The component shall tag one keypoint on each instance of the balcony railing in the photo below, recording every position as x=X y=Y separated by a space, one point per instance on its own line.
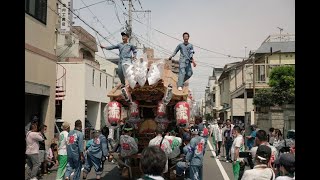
x=262 y=72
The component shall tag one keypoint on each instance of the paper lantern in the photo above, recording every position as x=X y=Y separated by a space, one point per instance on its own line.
x=134 y=109
x=182 y=113
x=114 y=112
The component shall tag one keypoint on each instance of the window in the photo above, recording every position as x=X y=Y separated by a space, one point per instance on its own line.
x=100 y=79
x=37 y=9
x=93 y=77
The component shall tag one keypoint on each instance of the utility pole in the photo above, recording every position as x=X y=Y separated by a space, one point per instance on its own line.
x=130 y=21
x=253 y=76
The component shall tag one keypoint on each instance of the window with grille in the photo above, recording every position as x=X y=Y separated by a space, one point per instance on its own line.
x=37 y=9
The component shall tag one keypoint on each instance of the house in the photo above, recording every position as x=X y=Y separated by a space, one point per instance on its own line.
x=245 y=80
x=40 y=63
x=86 y=84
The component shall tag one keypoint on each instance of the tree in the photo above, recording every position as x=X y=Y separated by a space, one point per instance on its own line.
x=282 y=88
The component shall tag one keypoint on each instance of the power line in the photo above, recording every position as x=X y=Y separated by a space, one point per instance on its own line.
x=140 y=4
x=89 y=38
x=84 y=22
x=167 y=51
x=94 y=16
x=92 y=4
x=182 y=41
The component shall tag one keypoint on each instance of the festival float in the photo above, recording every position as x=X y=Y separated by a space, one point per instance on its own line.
x=150 y=99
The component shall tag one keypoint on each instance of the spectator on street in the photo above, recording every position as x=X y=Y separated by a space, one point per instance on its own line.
x=287 y=167
x=75 y=151
x=271 y=136
x=32 y=151
x=251 y=137
x=219 y=139
x=62 y=151
x=261 y=139
x=237 y=147
x=55 y=139
x=152 y=163
x=213 y=132
x=42 y=151
x=52 y=160
x=227 y=141
x=261 y=170
x=277 y=138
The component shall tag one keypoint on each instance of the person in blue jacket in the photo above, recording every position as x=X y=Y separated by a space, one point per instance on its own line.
x=96 y=154
x=75 y=151
x=195 y=155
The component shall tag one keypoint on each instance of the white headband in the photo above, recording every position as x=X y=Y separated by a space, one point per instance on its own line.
x=261 y=158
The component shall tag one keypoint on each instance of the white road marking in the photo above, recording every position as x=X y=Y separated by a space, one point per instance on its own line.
x=222 y=170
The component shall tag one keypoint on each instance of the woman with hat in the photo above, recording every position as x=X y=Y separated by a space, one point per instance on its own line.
x=261 y=170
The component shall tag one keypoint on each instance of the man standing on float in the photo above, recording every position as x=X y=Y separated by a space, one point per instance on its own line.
x=125 y=56
x=186 y=58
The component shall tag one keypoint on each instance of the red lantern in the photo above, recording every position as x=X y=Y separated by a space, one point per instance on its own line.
x=161 y=109
x=182 y=113
x=114 y=112
x=134 y=109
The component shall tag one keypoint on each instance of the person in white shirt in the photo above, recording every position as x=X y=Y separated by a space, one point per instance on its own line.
x=32 y=151
x=261 y=170
x=163 y=143
x=213 y=133
x=236 y=148
x=62 y=151
x=219 y=139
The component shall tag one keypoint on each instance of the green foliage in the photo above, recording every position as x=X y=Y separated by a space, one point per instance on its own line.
x=262 y=98
x=282 y=88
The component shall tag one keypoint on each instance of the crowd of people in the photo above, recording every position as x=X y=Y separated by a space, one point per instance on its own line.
x=269 y=155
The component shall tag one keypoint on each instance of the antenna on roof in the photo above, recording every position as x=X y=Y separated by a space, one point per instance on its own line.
x=281 y=29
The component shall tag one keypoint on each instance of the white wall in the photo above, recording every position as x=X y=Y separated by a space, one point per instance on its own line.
x=73 y=106
x=62 y=45
x=238 y=107
x=95 y=92
x=109 y=67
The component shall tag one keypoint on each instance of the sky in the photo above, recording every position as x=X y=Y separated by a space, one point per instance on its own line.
x=224 y=27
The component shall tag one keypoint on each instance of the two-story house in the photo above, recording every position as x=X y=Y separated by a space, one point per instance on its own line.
x=40 y=62
x=87 y=84
x=245 y=80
